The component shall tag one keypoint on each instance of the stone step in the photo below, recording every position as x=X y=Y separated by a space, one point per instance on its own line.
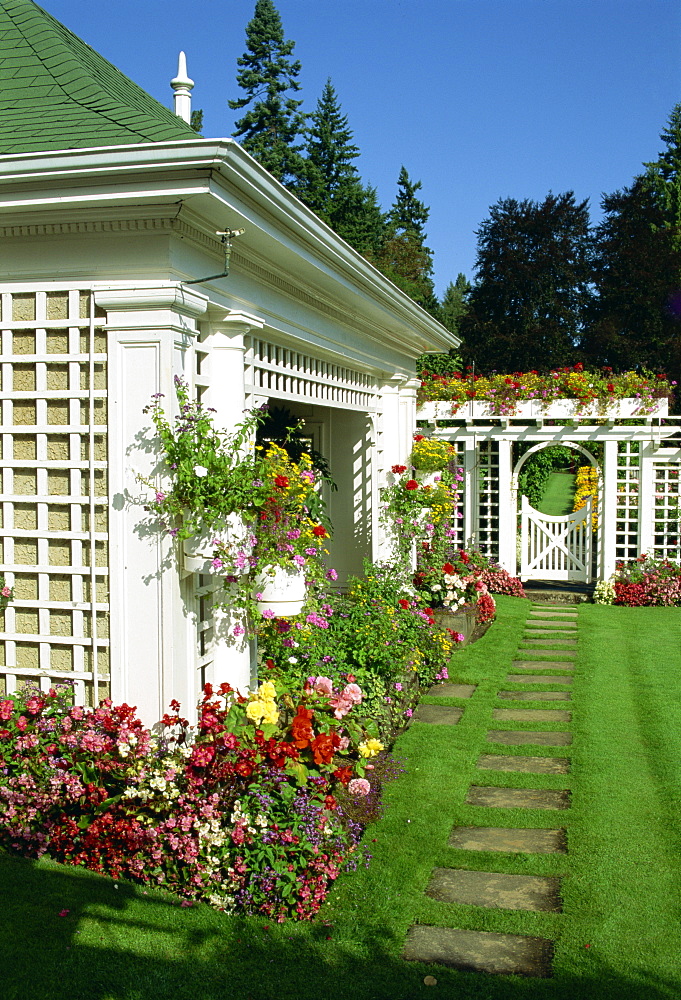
x=548 y=634
x=542 y=665
x=535 y=695
x=547 y=626
x=452 y=690
x=523 y=765
x=517 y=798
x=480 y=951
x=531 y=715
x=438 y=715
x=493 y=889
x=526 y=737
x=551 y=615
x=537 y=679
x=548 y=641
x=565 y=654
x=508 y=840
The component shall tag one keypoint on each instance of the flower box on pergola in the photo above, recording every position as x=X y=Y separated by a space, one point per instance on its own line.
x=638 y=491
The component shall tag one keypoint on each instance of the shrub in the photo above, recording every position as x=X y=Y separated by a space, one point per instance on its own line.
x=500 y=581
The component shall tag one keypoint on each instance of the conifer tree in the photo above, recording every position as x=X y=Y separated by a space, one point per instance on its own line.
x=455 y=302
x=404 y=256
x=273 y=123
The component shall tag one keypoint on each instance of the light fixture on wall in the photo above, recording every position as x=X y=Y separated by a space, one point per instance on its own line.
x=226 y=237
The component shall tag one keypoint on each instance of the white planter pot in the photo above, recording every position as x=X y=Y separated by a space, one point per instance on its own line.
x=281 y=590
x=427 y=478
x=558 y=409
x=198 y=550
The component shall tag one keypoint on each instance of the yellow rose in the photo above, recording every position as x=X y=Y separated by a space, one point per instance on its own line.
x=270 y=715
x=267 y=691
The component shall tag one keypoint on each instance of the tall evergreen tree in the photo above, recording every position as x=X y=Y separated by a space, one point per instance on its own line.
x=635 y=317
x=273 y=123
x=663 y=176
x=404 y=256
x=455 y=302
x=526 y=309
x=329 y=166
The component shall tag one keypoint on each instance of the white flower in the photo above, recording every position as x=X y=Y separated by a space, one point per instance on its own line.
x=200 y=470
x=293 y=659
x=436 y=586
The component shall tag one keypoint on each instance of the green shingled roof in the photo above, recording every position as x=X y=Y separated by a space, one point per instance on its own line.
x=58 y=93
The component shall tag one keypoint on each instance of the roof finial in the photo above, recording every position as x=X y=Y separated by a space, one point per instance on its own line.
x=182 y=87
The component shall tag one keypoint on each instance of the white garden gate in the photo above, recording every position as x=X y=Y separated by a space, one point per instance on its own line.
x=639 y=498
x=556 y=547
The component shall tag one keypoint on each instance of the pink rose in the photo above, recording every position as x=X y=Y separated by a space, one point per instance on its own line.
x=352 y=693
x=323 y=685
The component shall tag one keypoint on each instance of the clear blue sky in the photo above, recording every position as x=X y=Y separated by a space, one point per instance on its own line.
x=479 y=99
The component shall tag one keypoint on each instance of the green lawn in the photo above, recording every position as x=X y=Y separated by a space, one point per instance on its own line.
x=618 y=937
x=559 y=493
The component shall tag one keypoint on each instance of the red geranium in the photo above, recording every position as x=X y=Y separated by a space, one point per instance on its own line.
x=399 y=469
x=411 y=484
x=319 y=530
x=282 y=482
x=448 y=569
x=403 y=603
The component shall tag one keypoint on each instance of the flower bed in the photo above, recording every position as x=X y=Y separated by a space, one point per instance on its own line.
x=645 y=582
x=567 y=392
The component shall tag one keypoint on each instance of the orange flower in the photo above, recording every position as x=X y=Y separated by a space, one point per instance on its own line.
x=301 y=727
x=323 y=746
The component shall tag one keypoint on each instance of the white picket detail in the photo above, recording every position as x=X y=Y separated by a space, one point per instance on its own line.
x=556 y=547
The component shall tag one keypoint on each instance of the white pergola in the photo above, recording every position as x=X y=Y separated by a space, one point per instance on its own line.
x=638 y=497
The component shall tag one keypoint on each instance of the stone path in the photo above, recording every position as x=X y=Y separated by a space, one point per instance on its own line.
x=554 y=627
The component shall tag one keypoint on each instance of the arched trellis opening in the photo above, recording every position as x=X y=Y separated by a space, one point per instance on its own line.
x=638 y=498
x=557 y=547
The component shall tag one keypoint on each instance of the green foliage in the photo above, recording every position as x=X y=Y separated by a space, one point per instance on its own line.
x=532 y=285
x=535 y=472
x=196 y=121
x=273 y=123
x=454 y=303
x=444 y=365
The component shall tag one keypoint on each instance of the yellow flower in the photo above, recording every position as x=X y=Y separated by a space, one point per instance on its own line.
x=369 y=748
x=270 y=715
x=255 y=710
x=267 y=691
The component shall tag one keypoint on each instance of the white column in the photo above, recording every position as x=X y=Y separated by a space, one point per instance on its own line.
x=608 y=514
x=470 y=491
x=234 y=657
x=392 y=450
x=646 y=500
x=153 y=640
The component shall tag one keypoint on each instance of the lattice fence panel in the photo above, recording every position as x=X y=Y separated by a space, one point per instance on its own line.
x=628 y=485
x=667 y=510
x=458 y=539
x=54 y=497
x=487 y=529
x=272 y=370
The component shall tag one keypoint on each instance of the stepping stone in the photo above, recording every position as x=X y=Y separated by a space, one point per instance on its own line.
x=438 y=715
x=508 y=840
x=531 y=715
x=553 y=605
x=492 y=889
x=453 y=690
x=480 y=951
x=549 y=641
x=549 y=614
x=551 y=626
x=537 y=679
x=523 y=765
x=535 y=695
x=518 y=798
x=525 y=737
x=542 y=665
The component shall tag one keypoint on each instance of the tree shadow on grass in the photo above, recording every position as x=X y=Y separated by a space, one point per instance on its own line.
x=67 y=934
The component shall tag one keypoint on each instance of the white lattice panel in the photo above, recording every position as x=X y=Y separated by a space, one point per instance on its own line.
x=667 y=512
x=628 y=483
x=54 y=493
x=283 y=373
x=487 y=530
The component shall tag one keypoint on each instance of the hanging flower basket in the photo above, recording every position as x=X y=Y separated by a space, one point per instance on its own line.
x=427 y=478
x=198 y=551
x=281 y=590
